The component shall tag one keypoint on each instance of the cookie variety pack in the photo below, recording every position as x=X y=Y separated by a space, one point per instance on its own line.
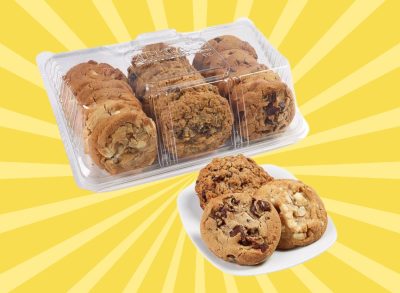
x=166 y=103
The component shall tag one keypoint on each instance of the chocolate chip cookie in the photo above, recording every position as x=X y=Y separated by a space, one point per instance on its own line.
x=240 y=228
x=193 y=120
x=301 y=211
x=220 y=44
x=216 y=64
x=227 y=175
x=191 y=116
x=263 y=104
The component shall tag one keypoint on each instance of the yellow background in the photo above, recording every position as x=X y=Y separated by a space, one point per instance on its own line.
x=55 y=237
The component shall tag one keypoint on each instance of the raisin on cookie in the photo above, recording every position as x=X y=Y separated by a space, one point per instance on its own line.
x=229 y=174
x=240 y=228
x=301 y=211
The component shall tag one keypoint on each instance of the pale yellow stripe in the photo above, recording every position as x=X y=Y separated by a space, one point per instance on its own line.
x=28 y=269
x=347 y=22
x=102 y=267
x=52 y=22
x=265 y=284
x=140 y=274
x=385 y=63
x=310 y=280
x=199 y=14
x=230 y=284
x=111 y=16
x=14 y=63
x=382 y=219
x=21 y=122
x=170 y=279
x=243 y=8
x=13 y=170
x=382 y=170
x=199 y=282
x=157 y=12
x=378 y=122
x=285 y=22
x=16 y=219
x=373 y=270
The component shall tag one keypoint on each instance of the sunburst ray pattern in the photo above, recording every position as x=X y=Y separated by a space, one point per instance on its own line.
x=152 y=249
x=113 y=20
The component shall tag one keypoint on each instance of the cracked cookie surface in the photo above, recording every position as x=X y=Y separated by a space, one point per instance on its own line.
x=194 y=120
x=229 y=174
x=301 y=211
x=240 y=228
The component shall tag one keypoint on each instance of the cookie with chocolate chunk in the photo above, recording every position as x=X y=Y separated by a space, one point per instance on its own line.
x=301 y=211
x=232 y=60
x=193 y=120
x=229 y=174
x=262 y=103
x=240 y=228
x=220 y=44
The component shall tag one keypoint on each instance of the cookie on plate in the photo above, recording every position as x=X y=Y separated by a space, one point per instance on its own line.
x=229 y=174
x=302 y=212
x=240 y=228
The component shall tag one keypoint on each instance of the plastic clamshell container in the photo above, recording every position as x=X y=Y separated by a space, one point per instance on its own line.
x=70 y=119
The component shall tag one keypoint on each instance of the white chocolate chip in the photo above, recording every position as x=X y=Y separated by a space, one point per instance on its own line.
x=299 y=236
x=301 y=212
x=141 y=144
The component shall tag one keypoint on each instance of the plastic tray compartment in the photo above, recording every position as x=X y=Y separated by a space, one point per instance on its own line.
x=189 y=105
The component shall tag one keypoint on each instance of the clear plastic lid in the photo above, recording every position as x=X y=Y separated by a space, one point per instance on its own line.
x=220 y=91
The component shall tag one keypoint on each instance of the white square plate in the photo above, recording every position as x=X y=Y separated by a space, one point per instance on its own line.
x=190 y=213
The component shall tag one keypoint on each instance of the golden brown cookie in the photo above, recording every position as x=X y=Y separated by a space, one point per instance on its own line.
x=229 y=174
x=231 y=60
x=262 y=103
x=240 y=228
x=122 y=138
x=221 y=44
x=117 y=134
x=193 y=120
x=301 y=211
x=82 y=74
x=107 y=89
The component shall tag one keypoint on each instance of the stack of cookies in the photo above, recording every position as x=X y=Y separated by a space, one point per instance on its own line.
x=191 y=120
x=118 y=135
x=248 y=214
x=262 y=102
